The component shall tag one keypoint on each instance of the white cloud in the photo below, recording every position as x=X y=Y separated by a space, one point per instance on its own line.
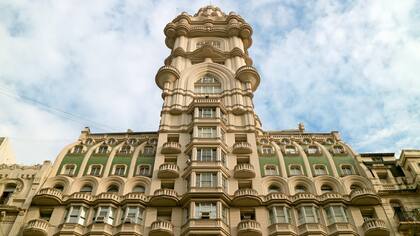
x=336 y=66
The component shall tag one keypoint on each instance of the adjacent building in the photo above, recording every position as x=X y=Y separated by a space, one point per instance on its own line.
x=7 y=155
x=210 y=169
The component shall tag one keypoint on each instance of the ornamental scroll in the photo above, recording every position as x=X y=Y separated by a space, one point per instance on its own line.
x=212 y=43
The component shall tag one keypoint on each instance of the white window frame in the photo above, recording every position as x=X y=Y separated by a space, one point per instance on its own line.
x=308 y=214
x=347 y=170
x=205 y=210
x=267 y=150
x=294 y=171
x=206 y=179
x=125 y=149
x=151 y=150
x=207 y=132
x=117 y=170
x=78 y=149
x=133 y=215
x=317 y=168
x=207 y=154
x=93 y=173
x=336 y=214
x=280 y=214
x=140 y=172
x=268 y=170
x=66 y=170
x=101 y=149
x=108 y=216
x=291 y=150
x=207 y=112
x=313 y=150
x=76 y=215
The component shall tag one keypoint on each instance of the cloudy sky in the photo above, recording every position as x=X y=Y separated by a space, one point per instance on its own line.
x=351 y=66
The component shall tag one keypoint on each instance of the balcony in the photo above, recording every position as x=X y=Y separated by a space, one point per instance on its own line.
x=100 y=229
x=108 y=197
x=282 y=229
x=244 y=170
x=303 y=197
x=161 y=228
x=249 y=228
x=408 y=220
x=341 y=229
x=364 y=197
x=375 y=227
x=36 y=227
x=277 y=198
x=331 y=197
x=135 y=198
x=168 y=171
x=246 y=197
x=71 y=229
x=171 y=148
x=312 y=229
x=175 y=109
x=242 y=148
x=48 y=197
x=164 y=197
x=130 y=229
x=205 y=227
x=80 y=197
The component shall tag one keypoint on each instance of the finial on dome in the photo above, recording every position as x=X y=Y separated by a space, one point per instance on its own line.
x=210 y=11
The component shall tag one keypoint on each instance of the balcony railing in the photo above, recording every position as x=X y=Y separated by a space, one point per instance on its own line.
x=242 y=148
x=246 y=197
x=164 y=197
x=168 y=170
x=373 y=227
x=364 y=197
x=161 y=228
x=36 y=227
x=48 y=196
x=244 y=170
x=171 y=148
x=249 y=228
x=408 y=219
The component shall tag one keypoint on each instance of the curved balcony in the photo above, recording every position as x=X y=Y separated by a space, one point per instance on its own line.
x=108 y=197
x=135 y=198
x=205 y=227
x=48 y=196
x=168 y=171
x=364 y=197
x=242 y=148
x=164 y=197
x=277 y=198
x=341 y=229
x=331 y=197
x=282 y=229
x=248 y=74
x=249 y=228
x=36 y=227
x=175 y=109
x=161 y=228
x=303 y=197
x=132 y=229
x=312 y=229
x=244 y=170
x=171 y=148
x=246 y=197
x=166 y=74
x=238 y=109
x=80 y=197
x=375 y=227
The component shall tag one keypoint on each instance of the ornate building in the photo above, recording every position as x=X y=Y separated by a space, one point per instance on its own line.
x=210 y=169
x=6 y=152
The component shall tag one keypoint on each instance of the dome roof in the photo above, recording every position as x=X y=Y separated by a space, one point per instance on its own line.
x=210 y=11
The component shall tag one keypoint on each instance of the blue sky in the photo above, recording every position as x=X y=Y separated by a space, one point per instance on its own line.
x=351 y=66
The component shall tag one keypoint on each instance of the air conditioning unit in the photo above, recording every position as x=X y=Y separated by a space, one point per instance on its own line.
x=100 y=219
x=129 y=220
x=205 y=215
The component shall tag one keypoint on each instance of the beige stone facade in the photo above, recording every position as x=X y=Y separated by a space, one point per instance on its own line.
x=210 y=169
x=7 y=156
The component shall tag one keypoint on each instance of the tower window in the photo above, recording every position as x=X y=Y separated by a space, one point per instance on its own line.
x=207 y=112
x=208 y=84
x=207 y=132
x=205 y=210
x=206 y=179
x=206 y=154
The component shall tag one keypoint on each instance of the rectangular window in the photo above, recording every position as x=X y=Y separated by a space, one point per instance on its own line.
x=205 y=210
x=119 y=170
x=336 y=214
x=76 y=215
x=280 y=214
x=133 y=215
x=105 y=214
x=225 y=215
x=69 y=170
x=206 y=179
x=207 y=112
x=207 y=132
x=206 y=154
x=308 y=214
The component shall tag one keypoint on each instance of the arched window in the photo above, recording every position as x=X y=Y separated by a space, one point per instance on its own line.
x=103 y=149
x=86 y=188
x=119 y=170
x=7 y=193
x=125 y=149
x=295 y=170
x=346 y=170
x=300 y=189
x=270 y=170
x=69 y=170
x=95 y=170
x=355 y=187
x=274 y=189
x=138 y=189
x=320 y=170
x=208 y=84
x=78 y=149
x=59 y=187
x=290 y=150
x=143 y=170
x=325 y=188
x=113 y=189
